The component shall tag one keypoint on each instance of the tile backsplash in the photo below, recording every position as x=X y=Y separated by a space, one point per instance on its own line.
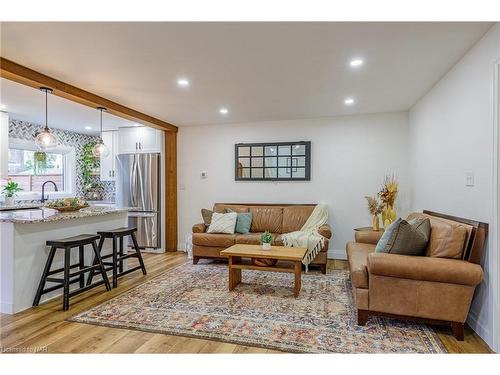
x=25 y=130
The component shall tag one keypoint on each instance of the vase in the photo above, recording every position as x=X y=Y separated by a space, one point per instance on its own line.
x=266 y=246
x=9 y=201
x=388 y=215
x=375 y=223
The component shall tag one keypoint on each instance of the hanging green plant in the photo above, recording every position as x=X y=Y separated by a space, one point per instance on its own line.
x=89 y=164
x=40 y=165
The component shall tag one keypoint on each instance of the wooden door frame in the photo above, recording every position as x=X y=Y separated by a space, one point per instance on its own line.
x=29 y=77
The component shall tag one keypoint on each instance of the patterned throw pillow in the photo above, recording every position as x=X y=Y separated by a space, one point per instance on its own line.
x=405 y=237
x=223 y=223
x=243 y=221
x=207 y=216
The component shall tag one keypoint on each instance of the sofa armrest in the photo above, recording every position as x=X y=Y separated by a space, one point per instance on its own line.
x=368 y=236
x=325 y=231
x=199 y=228
x=441 y=270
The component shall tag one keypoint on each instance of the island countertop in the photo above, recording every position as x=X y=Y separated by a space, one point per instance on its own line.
x=45 y=215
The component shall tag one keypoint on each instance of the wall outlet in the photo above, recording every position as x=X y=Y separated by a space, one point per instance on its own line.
x=469 y=178
x=203 y=174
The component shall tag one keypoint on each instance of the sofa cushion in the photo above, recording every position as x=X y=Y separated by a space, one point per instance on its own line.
x=248 y=239
x=221 y=207
x=267 y=218
x=357 y=254
x=294 y=217
x=223 y=223
x=214 y=239
x=448 y=238
x=405 y=237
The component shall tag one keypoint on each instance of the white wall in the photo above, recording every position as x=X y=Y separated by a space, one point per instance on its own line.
x=452 y=133
x=350 y=156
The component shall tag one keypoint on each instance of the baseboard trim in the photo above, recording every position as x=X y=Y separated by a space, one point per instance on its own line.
x=478 y=327
x=336 y=254
x=6 y=308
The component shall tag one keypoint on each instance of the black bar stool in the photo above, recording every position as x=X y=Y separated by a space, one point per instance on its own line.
x=67 y=244
x=118 y=256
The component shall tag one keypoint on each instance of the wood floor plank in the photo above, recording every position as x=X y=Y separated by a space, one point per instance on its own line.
x=46 y=325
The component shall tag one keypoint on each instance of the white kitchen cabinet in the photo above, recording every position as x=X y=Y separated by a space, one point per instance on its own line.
x=108 y=163
x=138 y=140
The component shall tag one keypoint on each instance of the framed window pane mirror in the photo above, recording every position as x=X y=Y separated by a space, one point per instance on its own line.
x=274 y=161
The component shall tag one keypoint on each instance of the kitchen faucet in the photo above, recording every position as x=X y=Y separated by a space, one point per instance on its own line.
x=43 y=189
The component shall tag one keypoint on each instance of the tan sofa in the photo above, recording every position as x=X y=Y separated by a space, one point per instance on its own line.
x=436 y=288
x=276 y=218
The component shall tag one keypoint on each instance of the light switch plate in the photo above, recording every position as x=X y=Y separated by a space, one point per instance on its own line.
x=203 y=174
x=469 y=178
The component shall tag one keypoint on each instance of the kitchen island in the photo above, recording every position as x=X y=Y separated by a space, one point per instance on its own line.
x=23 y=253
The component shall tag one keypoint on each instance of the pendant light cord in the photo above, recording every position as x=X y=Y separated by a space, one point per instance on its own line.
x=101 y=124
x=46 y=111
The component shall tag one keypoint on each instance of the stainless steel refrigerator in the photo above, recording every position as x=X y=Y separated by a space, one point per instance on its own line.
x=139 y=187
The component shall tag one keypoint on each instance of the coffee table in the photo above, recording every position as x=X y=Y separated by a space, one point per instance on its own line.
x=235 y=254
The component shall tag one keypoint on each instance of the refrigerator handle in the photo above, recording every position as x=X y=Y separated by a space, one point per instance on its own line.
x=133 y=185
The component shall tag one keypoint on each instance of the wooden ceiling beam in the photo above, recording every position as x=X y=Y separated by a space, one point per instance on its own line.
x=29 y=77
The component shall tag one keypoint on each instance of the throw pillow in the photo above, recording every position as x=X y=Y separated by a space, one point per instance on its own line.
x=207 y=216
x=223 y=223
x=243 y=221
x=405 y=238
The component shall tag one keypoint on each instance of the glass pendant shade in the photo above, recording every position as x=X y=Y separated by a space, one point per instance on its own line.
x=45 y=139
x=100 y=150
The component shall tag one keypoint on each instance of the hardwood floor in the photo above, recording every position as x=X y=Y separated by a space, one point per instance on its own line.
x=44 y=329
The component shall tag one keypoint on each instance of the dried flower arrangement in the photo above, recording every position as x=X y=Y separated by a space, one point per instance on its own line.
x=375 y=208
x=389 y=190
x=388 y=195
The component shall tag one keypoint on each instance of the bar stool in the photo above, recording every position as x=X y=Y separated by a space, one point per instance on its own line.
x=118 y=256
x=67 y=244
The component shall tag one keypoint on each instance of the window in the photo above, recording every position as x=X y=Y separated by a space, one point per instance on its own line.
x=289 y=161
x=30 y=169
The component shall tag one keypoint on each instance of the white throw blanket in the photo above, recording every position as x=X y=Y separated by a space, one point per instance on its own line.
x=308 y=236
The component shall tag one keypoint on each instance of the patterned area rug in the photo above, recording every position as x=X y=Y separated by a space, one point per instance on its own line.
x=193 y=300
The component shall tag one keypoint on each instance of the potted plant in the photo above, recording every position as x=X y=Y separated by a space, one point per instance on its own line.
x=10 y=189
x=266 y=238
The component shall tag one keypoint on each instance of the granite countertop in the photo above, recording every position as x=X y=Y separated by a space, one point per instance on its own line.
x=46 y=215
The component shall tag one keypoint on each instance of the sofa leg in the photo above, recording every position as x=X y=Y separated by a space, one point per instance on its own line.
x=362 y=317
x=195 y=260
x=458 y=330
x=323 y=268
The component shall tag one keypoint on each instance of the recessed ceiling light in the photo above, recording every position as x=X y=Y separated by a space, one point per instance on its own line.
x=183 y=82
x=349 y=101
x=88 y=128
x=136 y=124
x=223 y=111
x=356 y=62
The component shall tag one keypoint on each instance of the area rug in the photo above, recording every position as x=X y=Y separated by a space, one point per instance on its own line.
x=193 y=300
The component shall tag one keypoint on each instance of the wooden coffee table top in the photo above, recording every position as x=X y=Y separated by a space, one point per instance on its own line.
x=276 y=252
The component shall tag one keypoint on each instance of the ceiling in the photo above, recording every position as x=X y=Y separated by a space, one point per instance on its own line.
x=258 y=71
x=28 y=104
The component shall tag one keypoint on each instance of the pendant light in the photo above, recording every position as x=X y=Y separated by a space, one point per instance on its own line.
x=100 y=149
x=45 y=139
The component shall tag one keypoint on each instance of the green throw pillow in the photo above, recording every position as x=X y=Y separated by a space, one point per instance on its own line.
x=243 y=221
x=405 y=237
